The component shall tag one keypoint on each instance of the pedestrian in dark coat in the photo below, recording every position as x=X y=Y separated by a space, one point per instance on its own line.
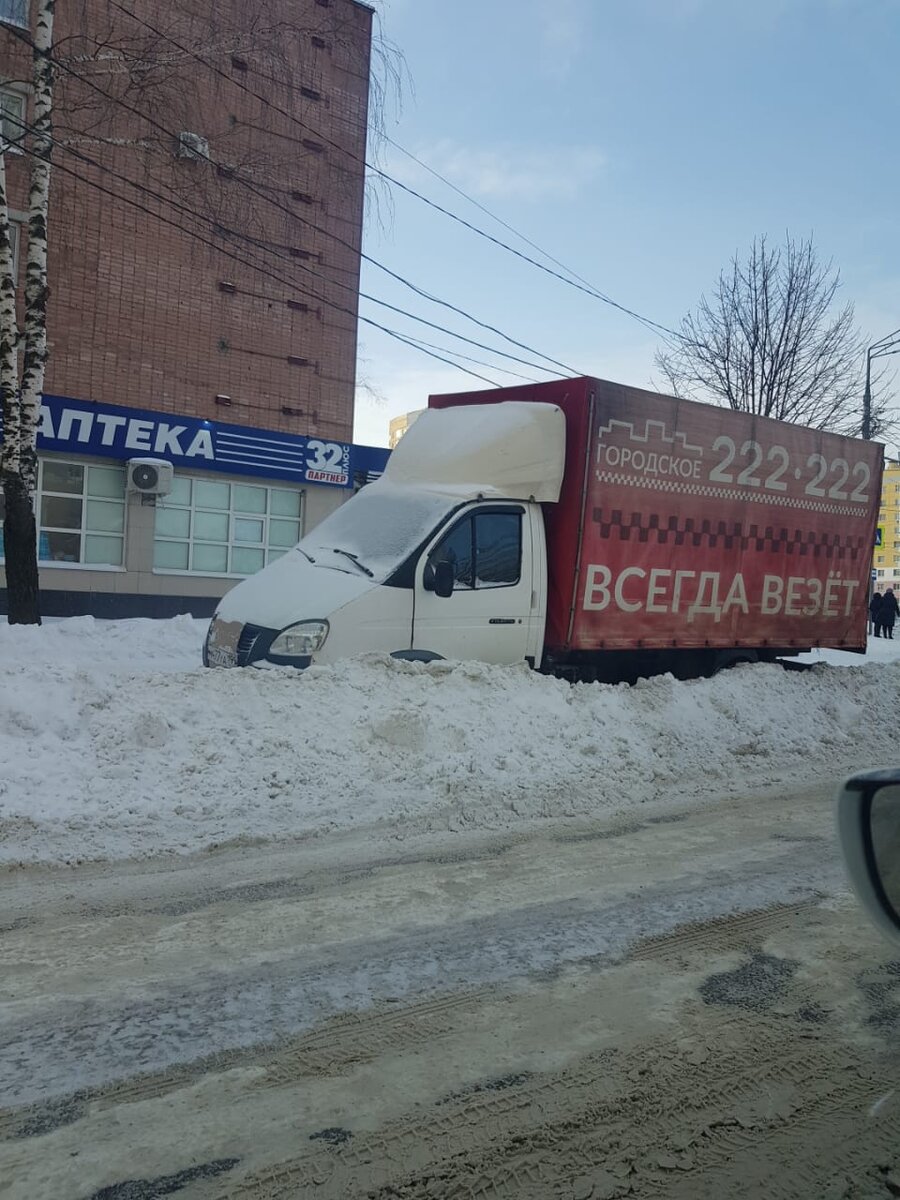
x=888 y=613
x=875 y=611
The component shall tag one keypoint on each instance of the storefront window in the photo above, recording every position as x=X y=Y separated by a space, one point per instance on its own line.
x=215 y=528
x=81 y=514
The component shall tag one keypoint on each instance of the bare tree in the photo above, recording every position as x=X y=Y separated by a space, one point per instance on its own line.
x=22 y=385
x=772 y=341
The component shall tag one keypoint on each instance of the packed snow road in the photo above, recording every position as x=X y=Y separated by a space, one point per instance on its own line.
x=682 y=1004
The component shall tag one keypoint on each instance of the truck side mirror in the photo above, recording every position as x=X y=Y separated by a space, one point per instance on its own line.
x=438 y=577
x=869 y=829
x=443 y=579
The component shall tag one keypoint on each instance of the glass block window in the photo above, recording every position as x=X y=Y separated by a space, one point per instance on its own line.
x=209 y=527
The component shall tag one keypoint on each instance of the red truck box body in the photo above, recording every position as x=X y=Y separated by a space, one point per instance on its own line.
x=684 y=525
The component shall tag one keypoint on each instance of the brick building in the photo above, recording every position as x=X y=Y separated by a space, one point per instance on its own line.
x=205 y=230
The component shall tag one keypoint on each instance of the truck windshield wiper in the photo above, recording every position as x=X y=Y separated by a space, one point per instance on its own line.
x=354 y=559
x=305 y=555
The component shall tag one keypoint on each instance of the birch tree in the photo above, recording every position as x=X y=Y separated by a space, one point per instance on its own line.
x=23 y=384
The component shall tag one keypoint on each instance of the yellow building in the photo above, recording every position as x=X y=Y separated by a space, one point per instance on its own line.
x=399 y=426
x=886 y=562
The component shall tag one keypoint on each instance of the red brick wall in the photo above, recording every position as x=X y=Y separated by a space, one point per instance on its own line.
x=137 y=315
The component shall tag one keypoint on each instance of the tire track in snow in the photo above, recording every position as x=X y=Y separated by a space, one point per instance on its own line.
x=87 y=1043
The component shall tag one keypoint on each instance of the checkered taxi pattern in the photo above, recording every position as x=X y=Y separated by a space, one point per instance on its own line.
x=687 y=531
x=715 y=492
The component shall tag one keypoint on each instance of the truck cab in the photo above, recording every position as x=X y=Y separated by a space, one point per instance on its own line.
x=479 y=586
x=443 y=557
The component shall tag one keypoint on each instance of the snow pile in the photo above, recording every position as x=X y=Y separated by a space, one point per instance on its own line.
x=138 y=645
x=112 y=746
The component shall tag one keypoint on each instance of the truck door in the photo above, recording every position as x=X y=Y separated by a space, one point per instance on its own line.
x=487 y=552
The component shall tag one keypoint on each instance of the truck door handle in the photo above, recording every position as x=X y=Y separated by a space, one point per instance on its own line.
x=502 y=621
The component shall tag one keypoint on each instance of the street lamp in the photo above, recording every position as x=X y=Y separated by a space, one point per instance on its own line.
x=880 y=349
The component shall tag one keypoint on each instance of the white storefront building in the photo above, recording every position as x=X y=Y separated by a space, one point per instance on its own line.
x=142 y=513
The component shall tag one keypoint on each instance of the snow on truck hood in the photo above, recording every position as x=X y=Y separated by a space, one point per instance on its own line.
x=292 y=589
x=354 y=549
x=512 y=449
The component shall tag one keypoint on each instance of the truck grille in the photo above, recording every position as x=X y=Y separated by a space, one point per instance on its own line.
x=250 y=635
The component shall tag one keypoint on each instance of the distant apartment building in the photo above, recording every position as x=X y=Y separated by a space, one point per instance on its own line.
x=886 y=563
x=399 y=426
x=205 y=232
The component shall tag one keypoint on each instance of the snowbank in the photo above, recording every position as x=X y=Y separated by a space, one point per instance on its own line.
x=139 y=645
x=114 y=742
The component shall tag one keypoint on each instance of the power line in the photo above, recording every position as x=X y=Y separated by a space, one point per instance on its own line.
x=261 y=194
x=419 y=346
x=220 y=250
x=242 y=291
x=467 y=358
x=653 y=325
x=588 y=291
x=294 y=216
x=581 y=286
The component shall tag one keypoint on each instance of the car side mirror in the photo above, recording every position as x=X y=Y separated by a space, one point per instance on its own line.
x=869 y=830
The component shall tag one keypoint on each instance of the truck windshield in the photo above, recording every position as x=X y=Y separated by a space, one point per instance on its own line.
x=378 y=528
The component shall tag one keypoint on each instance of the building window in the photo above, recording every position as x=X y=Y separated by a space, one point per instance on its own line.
x=81 y=514
x=880 y=558
x=14 y=12
x=880 y=574
x=12 y=120
x=216 y=528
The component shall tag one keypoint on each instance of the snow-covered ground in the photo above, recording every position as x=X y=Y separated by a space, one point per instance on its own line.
x=115 y=742
x=879 y=650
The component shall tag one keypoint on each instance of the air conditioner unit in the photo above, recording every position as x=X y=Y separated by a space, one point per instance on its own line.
x=193 y=145
x=150 y=476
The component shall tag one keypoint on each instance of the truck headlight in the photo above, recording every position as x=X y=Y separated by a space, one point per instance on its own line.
x=300 y=641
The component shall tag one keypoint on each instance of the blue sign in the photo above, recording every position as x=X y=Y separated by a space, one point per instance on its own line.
x=113 y=431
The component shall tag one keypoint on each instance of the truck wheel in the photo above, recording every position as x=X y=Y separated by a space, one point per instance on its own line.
x=417 y=655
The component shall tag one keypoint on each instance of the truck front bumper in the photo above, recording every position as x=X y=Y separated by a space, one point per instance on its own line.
x=231 y=644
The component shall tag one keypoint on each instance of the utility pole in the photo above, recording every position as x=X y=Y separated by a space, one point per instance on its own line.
x=881 y=349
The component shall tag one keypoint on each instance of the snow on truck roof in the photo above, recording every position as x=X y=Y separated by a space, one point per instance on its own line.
x=512 y=449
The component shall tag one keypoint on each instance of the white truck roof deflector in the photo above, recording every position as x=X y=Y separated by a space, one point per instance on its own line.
x=511 y=449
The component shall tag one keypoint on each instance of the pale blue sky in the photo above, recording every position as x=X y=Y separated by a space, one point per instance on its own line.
x=641 y=142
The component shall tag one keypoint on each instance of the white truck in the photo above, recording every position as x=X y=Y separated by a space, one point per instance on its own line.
x=586 y=528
